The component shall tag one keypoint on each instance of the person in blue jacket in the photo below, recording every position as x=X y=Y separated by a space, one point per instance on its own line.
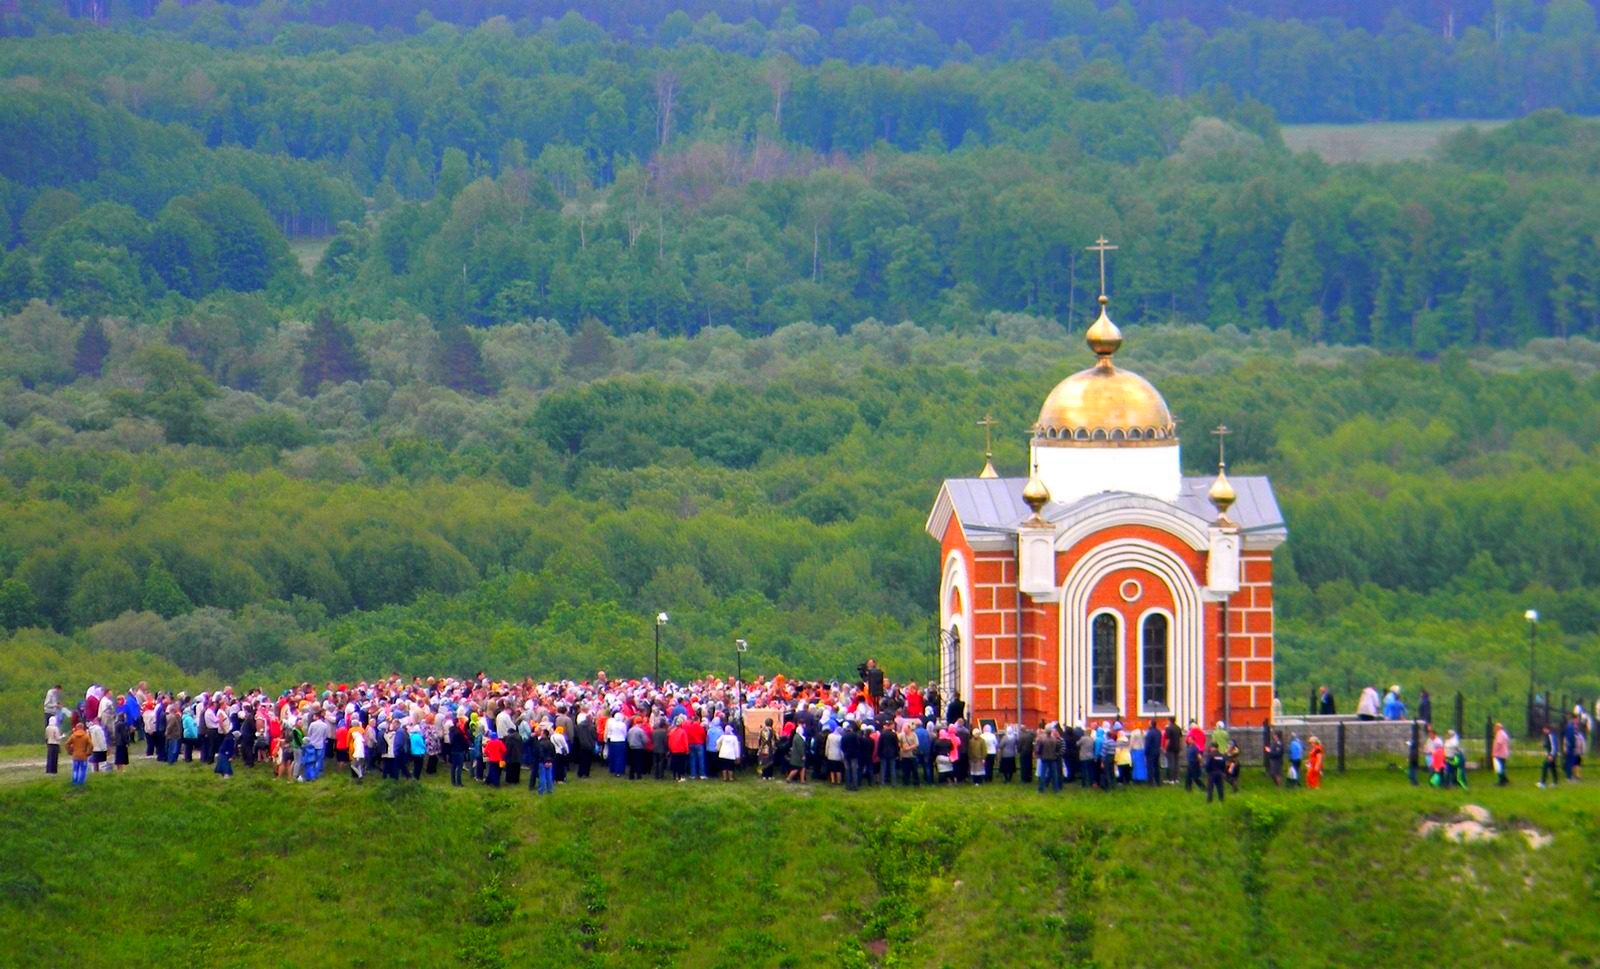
x=1569 y=746
x=224 y=758
x=1152 y=753
x=1393 y=707
x=1297 y=753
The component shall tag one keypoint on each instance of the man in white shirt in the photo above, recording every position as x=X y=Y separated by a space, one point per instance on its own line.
x=208 y=732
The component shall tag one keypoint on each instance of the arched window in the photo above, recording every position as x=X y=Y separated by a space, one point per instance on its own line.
x=1103 y=663
x=1153 y=662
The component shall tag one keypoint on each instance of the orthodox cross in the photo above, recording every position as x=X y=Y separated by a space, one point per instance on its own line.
x=1102 y=247
x=987 y=423
x=1221 y=434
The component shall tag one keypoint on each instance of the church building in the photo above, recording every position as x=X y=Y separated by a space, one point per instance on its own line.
x=1106 y=585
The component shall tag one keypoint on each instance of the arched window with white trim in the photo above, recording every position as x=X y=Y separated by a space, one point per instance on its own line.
x=1103 y=663
x=1154 y=632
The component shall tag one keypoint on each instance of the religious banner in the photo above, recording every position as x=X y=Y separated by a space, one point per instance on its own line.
x=753 y=721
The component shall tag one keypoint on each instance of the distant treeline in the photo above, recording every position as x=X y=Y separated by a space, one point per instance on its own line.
x=1495 y=242
x=1331 y=60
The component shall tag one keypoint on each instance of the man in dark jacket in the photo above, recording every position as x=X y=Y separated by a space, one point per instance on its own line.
x=583 y=742
x=1152 y=753
x=1216 y=770
x=850 y=748
x=1173 y=739
x=888 y=754
x=1025 y=740
x=1047 y=751
x=658 y=738
x=872 y=680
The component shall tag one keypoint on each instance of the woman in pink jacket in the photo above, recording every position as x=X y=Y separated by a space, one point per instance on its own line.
x=1501 y=752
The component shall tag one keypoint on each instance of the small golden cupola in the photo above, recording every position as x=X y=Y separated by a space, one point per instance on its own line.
x=1222 y=495
x=1034 y=494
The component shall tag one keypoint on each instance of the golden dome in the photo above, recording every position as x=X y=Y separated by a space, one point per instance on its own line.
x=1222 y=494
x=1103 y=405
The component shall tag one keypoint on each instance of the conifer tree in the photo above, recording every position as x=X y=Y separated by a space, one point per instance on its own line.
x=90 y=353
x=459 y=363
x=331 y=355
x=592 y=351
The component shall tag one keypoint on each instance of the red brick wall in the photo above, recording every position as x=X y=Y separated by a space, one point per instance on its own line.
x=992 y=618
x=1250 y=656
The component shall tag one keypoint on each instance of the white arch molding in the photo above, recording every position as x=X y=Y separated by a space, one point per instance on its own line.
x=956 y=578
x=1114 y=510
x=1185 y=634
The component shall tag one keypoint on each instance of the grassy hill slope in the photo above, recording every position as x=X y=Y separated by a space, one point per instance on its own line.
x=173 y=865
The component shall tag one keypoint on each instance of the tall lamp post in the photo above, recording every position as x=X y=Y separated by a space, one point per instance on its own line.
x=661 y=620
x=740 y=646
x=1532 y=615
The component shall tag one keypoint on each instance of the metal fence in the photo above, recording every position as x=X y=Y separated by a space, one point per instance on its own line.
x=1465 y=714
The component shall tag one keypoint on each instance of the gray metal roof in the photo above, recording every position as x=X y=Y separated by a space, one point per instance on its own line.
x=1256 y=509
x=996 y=503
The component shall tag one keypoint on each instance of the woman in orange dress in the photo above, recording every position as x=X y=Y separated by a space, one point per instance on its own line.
x=1314 y=764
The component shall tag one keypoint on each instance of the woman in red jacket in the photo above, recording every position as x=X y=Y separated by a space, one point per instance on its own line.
x=678 y=749
x=494 y=754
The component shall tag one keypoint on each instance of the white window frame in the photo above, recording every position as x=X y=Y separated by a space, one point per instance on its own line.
x=1166 y=709
x=1121 y=672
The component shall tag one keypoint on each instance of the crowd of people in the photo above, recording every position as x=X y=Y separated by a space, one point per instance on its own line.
x=856 y=734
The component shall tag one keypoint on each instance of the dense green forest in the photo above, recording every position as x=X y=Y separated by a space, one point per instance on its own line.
x=485 y=177
x=1324 y=60
x=341 y=341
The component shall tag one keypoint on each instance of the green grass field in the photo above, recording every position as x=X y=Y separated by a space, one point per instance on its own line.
x=1376 y=141
x=175 y=866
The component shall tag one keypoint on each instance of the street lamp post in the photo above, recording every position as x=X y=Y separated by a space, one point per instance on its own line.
x=1532 y=615
x=661 y=620
x=739 y=648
